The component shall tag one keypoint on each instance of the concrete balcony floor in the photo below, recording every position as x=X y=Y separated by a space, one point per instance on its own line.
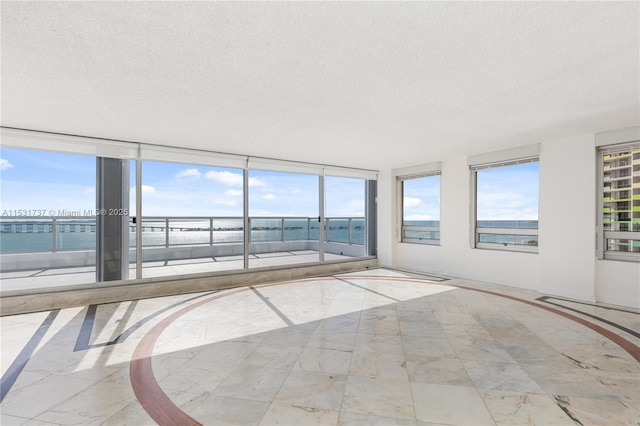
x=57 y=277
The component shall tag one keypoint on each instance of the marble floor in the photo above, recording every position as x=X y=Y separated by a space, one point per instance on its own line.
x=378 y=347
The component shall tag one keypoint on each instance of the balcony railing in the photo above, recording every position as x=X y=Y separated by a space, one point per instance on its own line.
x=518 y=235
x=29 y=234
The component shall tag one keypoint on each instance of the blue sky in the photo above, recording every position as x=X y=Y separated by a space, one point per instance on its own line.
x=422 y=198
x=504 y=193
x=508 y=193
x=54 y=181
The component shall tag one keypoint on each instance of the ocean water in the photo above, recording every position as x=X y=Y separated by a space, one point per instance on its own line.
x=28 y=236
x=505 y=239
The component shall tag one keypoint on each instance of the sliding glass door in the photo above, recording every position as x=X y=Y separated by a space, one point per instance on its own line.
x=283 y=218
x=345 y=217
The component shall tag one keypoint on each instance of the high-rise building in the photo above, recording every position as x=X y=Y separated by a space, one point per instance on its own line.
x=622 y=197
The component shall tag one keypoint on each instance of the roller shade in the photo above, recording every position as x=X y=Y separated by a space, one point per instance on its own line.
x=268 y=164
x=619 y=149
x=350 y=173
x=56 y=142
x=415 y=172
x=508 y=157
x=618 y=136
x=98 y=147
x=191 y=156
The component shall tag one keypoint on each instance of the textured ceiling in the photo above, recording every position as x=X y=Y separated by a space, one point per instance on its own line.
x=372 y=85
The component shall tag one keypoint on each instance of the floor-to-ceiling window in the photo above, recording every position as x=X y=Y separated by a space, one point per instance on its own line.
x=48 y=218
x=345 y=202
x=52 y=209
x=283 y=215
x=86 y=211
x=192 y=215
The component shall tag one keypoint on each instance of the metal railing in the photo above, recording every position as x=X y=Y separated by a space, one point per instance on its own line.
x=28 y=234
x=519 y=235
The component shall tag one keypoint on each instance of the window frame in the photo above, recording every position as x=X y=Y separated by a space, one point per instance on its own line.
x=511 y=157
x=608 y=143
x=418 y=172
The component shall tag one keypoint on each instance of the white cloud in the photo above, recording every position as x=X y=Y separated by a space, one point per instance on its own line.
x=148 y=189
x=227 y=178
x=234 y=193
x=5 y=164
x=232 y=179
x=412 y=203
x=268 y=197
x=419 y=217
x=189 y=173
x=254 y=182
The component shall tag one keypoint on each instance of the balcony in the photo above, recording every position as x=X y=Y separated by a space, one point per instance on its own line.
x=38 y=252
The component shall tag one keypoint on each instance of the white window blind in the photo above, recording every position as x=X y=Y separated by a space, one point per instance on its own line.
x=415 y=172
x=44 y=141
x=191 y=156
x=508 y=157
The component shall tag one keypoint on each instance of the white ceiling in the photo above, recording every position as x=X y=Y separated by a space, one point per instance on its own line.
x=371 y=85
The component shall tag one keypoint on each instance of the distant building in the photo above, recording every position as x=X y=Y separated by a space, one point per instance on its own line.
x=622 y=197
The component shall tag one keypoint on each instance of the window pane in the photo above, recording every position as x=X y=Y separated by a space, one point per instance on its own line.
x=344 y=214
x=421 y=209
x=621 y=200
x=632 y=246
x=192 y=219
x=282 y=206
x=48 y=221
x=621 y=191
x=507 y=198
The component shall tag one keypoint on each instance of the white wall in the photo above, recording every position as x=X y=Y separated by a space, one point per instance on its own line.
x=618 y=282
x=566 y=264
x=386 y=214
x=567 y=217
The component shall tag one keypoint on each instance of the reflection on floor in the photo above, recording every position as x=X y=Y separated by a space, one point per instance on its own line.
x=375 y=347
x=43 y=278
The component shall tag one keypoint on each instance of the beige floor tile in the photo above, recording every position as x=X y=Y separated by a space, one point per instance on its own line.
x=508 y=408
x=281 y=414
x=378 y=397
x=449 y=405
x=325 y=360
x=249 y=382
x=312 y=390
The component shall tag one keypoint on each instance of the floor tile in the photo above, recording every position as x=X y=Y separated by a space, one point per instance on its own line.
x=449 y=405
x=249 y=382
x=218 y=410
x=489 y=375
x=325 y=360
x=312 y=390
x=82 y=408
x=352 y=419
x=378 y=365
x=508 y=408
x=598 y=412
x=378 y=397
x=442 y=371
x=281 y=414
